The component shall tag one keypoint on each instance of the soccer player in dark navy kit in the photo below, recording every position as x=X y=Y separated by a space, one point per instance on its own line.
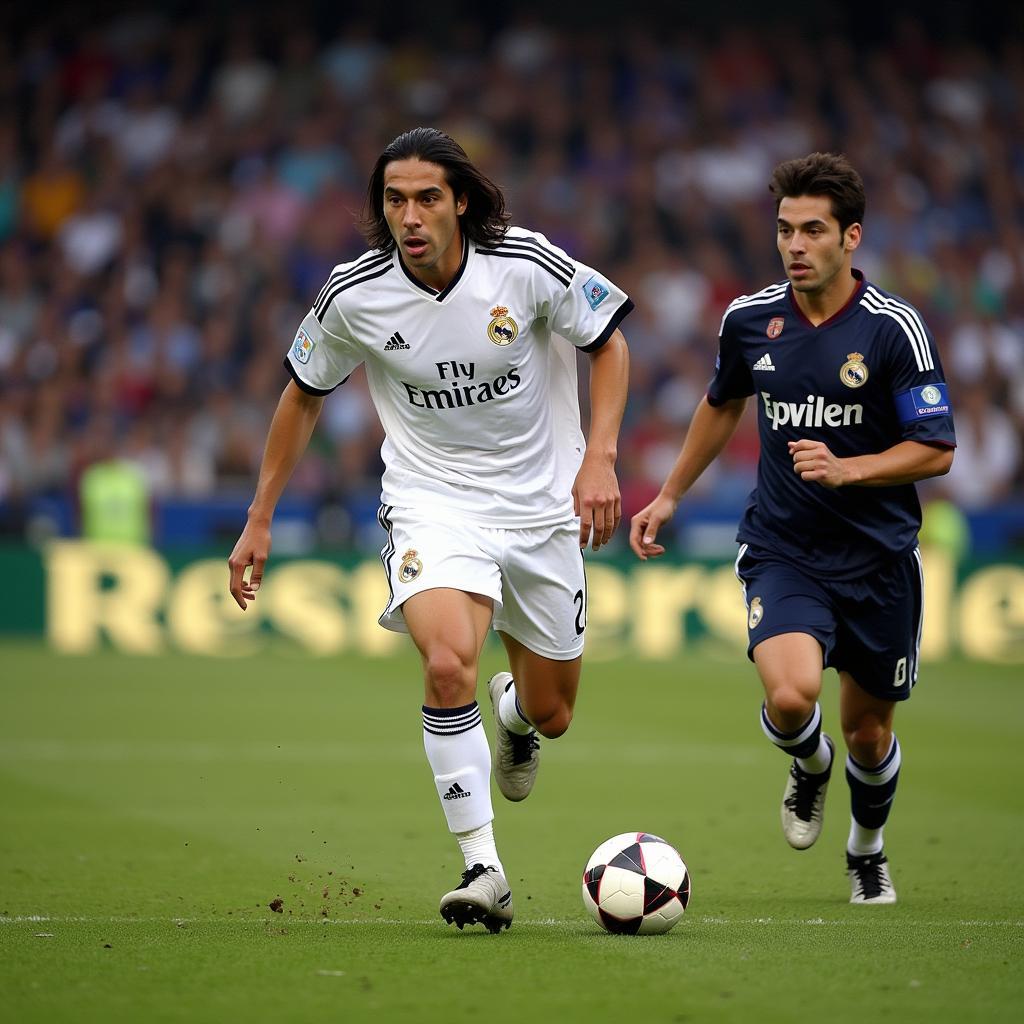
x=852 y=409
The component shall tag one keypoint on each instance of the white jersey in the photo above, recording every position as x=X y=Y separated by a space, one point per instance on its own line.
x=475 y=385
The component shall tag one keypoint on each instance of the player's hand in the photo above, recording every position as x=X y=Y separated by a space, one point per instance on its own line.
x=253 y=548
x=643 y=530
x=595 y=497
x=813 y=461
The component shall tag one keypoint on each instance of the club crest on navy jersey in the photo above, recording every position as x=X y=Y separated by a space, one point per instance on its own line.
x=853 y=373
x=411 y=566
x=775 y=325
x=502 y=329
x=756 y=613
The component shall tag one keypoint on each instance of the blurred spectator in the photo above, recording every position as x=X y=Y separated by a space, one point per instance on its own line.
x=10 y=184
x=114 y=495
x=91 y=237
x=944 y=528
x=50 y=194
x=242 y=84
x=20 y=302
x=988 y=456
x=314 y=160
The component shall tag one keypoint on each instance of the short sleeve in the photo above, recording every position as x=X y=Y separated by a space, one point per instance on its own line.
x=732 y=377
x=580 y=304
x=322 y=355
x=918 y=383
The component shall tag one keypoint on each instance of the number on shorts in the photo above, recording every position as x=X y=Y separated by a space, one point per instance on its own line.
x=901 y=673
x=578 y=600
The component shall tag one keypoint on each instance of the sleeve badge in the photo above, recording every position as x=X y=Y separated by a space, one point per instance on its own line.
x=596 y=291
x=302 y=347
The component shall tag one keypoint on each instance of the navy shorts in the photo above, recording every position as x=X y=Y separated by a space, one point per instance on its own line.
x=869 y=627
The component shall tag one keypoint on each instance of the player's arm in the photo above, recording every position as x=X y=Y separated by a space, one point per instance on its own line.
x=709 y=432
x=290 y=431
x=922 y=406
x=595 y=492
x=903 y=463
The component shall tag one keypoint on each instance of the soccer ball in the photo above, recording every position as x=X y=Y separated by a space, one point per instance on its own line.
x=636 y=884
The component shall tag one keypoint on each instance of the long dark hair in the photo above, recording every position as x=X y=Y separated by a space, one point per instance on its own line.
x=485 y=220
x=822 y=174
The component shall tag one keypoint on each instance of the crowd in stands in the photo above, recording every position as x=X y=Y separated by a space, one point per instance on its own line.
x=175 y=190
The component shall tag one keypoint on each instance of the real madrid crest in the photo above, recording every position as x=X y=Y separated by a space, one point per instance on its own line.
x=502 y=329
x=775 y=325
x=411 y=566
x=756 y=613
x=853 y=373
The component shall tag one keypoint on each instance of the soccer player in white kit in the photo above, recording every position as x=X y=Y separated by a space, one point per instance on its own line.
x=468 y=330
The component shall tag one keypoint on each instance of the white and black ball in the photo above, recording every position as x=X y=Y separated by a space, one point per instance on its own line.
x=636 y=884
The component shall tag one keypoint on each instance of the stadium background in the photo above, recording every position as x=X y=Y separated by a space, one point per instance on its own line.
x=176 y=183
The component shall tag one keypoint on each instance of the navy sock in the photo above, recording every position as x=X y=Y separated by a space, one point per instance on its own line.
x=872 y=789
x=802 y=743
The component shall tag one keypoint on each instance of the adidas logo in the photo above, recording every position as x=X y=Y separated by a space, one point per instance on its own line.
x=395 y=342
x=764 y=363
x=455 y=791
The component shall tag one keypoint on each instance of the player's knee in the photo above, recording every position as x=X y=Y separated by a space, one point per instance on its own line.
x=447 y=678
x=553 y=724
x=790 y=704
x=868 y=741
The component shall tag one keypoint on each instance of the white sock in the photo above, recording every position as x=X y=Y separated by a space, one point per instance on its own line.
x=478 y=846
x=511 y=712
x=457 y=750
x=863 y=840
x=819 y=761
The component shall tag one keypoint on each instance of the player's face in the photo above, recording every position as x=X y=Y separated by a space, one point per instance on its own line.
x=814 y=251
x=423 y=215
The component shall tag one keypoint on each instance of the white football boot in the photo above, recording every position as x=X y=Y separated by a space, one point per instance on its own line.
x=516 y=757
x=869 y=879
x=803 y=803
x=483 y=897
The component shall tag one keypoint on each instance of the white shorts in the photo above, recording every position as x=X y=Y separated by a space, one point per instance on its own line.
x=534 y=576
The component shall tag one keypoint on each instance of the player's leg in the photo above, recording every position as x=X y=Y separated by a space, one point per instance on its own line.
x=872 y=771
x=544 y=691
x=537 y=696
x=876 y=653
x=790 y=667
x=541 y=622
x=443 y=586
x=790 y=627
x=449 y=628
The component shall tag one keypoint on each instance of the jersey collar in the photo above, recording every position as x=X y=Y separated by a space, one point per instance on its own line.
x=439 y=296
x=841 y=312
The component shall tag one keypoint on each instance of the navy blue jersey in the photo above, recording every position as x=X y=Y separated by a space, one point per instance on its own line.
x=861 y=382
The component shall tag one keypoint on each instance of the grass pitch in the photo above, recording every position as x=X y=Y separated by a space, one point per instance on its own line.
x=152 y=810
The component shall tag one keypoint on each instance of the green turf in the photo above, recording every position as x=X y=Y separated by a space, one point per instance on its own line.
x=151 y=809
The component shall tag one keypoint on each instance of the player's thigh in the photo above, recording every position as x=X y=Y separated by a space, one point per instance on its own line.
x=544 y=591
x=446 y=620
x=790 y=667
x=791 y=623
x=426 y=552
x=879 y=636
